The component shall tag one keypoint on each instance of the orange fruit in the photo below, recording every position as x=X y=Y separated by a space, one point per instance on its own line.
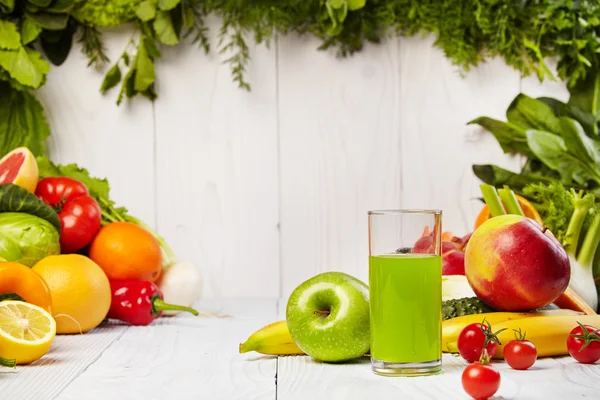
x=22 y=280
x=20 y=168
x=528 y=209
x=80 y=291
x=125 y=250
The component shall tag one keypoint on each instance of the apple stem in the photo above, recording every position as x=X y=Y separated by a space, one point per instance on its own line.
x=545 y=229
x=323 y=313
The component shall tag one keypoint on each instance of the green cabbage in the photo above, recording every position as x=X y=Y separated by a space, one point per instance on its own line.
x=26 y=239
x=105 y=13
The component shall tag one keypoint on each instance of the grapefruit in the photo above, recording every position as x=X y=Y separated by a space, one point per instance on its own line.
x=20 y=168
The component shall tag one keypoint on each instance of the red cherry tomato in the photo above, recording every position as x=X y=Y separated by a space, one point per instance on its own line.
x=80 y=215
x=471 y=340
x=520 y=353
x=480 y=381
x=583 y=344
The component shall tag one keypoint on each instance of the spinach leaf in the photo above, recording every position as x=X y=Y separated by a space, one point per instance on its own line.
x=14 y=198
x=577 y=142
x=22 y=121
x=552 y=151
x=10 y=296
x=498 y=177
x=586 y=95
x=587 y=121
x=511 y=137
x=529 y=113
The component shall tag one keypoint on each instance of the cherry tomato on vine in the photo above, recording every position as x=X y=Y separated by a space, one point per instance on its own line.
x=520 y=353
x=473 y=338
x=480 y=379
x=583 y=344
x=79 y=214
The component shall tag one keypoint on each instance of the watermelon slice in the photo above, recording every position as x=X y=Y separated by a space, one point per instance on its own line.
x=20 y=168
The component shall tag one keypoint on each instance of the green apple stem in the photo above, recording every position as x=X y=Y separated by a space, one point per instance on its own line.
x=323 y=313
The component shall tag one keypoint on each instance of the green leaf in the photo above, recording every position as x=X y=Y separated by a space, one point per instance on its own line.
x=511 y=138
x=49 y=21
x=9 y=36
x=7 y=5
x=336 y=4
x=14 y=198
x=498 y=177
x=57 y=50
x=153 y=51
x=577 y=143
x=40 y=3
x=146 y=11
x=553 y=152
x=354 y=5
x=30 y=30
x=586 y=94
x=187 y=15
x=167 y=5
x=144 y=76
x=112 y=78
x=529 y=113
x=61 y=6
x=10 y=296
x=163 y=27
x=569 y=110
x=22 y=121
x=26 y=66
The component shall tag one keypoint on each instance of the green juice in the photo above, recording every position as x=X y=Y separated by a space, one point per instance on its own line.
x=406 y=307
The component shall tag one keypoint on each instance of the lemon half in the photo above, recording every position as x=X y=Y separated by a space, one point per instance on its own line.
x=26 y=331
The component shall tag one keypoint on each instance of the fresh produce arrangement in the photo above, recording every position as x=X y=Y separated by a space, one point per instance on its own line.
x=70 y=259
x=511 y=292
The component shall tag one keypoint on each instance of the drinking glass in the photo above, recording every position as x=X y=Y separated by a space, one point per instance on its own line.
x=405 y=289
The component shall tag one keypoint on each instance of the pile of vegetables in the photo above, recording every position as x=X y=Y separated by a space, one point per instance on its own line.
x=561 y=175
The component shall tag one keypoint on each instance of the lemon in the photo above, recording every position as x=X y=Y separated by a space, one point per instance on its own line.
x=26 y=331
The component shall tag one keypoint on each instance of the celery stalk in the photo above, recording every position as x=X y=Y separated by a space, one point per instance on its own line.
x=492 y=200
x=510 y=201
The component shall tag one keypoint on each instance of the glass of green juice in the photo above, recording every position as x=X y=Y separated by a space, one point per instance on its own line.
x=405 y=288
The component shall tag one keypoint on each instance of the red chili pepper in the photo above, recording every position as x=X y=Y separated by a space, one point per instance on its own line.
x=139 y=302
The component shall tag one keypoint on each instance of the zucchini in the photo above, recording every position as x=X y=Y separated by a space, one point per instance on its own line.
x=464 y=306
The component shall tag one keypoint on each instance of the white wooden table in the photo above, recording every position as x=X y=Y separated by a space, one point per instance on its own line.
x=187 y=357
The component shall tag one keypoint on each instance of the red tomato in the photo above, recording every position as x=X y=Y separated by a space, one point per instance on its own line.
x=480 y=381
x=583 y=344
x=520 y=354
x=471 y=340
x=80 y=215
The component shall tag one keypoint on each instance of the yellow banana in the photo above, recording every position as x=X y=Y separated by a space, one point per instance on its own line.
x=451 y=327
x=548 y=333
x=274 y=339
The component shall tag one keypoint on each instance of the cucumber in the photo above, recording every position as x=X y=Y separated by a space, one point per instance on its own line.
x=464 y=306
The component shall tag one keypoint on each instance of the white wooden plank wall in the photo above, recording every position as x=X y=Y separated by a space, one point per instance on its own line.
x=263 y=190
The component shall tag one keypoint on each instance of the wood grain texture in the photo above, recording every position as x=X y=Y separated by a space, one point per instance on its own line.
x=217 y=175
x=438 y=147
x=185 y=357
x=68 y=357
x=340 y=155
x=116 y=142
x=300 y=377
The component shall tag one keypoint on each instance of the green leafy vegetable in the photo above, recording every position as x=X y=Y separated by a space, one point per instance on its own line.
x=30 y=30
x=511 y=137
x=22 y=121
x=25 y=66
x=9 y=36
x=528 y=113
x=26 y=238
x=14 y=198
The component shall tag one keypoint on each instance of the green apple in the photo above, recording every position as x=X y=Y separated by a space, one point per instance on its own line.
x=328 y=317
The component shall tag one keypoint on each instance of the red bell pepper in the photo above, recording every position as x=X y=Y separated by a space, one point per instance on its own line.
x=79 y=213
x=139 y=302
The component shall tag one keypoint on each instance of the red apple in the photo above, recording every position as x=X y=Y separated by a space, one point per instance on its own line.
x=452 y=252
x=514 y=264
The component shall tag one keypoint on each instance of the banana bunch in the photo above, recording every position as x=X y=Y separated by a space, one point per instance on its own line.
x=274 y=338
x=547 y=330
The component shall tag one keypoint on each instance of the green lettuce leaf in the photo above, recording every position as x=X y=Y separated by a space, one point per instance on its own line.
x=14 y=198
x=9 y=36
x=22 y=121
x=25 y=65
